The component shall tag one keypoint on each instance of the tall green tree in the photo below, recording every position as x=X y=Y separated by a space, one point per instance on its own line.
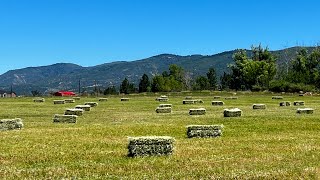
x=201 y=83
x=126 y=87
x=144 y=83
x=305 y=68
x=110 y=90
x=212 y=78
x=257 y=70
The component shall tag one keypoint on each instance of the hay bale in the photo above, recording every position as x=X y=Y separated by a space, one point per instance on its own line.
x=231 y=98
x=162 y=99
x=78 y=112
x=84 y=107
x=69 y=100
x=76 y=98
x=298 y=103
x=188 y=97
x=199 y=111
x=277 y=97
x=39 y=100
x=188 y=101
x=199 y=101
x=165 y=105
x=232 y=112
x=163 y=109
x=10 y=124
x=301 y=94
x=217 y=103
x=58 y=118
x=125 y=99
x=150 y=146
x=92 y=104
x=259 y=106
x=216 y=97
x=103 y=99
x=164 y=96
x=305 y=111
x=285 y=103
x=204 y=131
x=58 y=101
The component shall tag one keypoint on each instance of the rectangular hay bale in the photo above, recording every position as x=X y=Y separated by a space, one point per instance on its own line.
x=58 y=101
x=216 y=97
x=92 y=104
x=305 y=111
x=188 y=101
x=78 y=112
x=217 y=103
x=204 y=131
x=277 y=97
x=39 y=100
x=232 y=112
x=83 y=107
x=69 y=100
x=103 y=99
x=231 y=98
x=285 y=103
x=259 y=106
x=10 y=124
x=188 y=97
x=163 y=109
x=165 y=105
x=298 y=103
x=162 y=99
x=199 y=111
x=150 y=146
x=58 y=118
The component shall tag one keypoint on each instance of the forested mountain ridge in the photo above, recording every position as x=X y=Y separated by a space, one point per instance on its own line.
x=66 y=76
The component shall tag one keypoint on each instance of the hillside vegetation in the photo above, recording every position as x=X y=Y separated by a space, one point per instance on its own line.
x=65 y=76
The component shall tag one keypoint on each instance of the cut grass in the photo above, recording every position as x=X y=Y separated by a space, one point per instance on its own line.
x=276 y=143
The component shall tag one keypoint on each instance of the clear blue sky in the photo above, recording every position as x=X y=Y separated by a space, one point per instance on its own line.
x=92 y=32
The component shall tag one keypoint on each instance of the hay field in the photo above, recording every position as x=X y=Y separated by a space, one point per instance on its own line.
x=275 y=143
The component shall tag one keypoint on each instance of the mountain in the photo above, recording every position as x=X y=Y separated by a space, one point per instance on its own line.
x=66 y=76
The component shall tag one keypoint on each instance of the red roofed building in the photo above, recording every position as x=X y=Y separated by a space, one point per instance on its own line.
x=64 y=93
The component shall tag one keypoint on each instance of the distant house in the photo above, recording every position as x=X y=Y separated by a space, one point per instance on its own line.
x=64 y=93
x=7 y=94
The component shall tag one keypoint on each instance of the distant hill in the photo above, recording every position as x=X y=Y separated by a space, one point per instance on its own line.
x=66 y=76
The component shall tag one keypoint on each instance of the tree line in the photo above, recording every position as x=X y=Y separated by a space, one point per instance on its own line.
x=255 y=71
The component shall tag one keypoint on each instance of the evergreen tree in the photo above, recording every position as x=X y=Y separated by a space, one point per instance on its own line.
x=144 y=84
x=212 y=78
x=201 y=83
x=126 y=87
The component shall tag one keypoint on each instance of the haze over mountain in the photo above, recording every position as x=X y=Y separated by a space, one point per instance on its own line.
x=66 y=76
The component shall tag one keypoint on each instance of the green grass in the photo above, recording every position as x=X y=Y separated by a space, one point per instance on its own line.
x=276 y=143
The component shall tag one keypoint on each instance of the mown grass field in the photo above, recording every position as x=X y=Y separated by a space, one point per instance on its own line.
x=276 y=143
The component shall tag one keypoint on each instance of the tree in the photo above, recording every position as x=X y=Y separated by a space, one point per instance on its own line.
x=126 y=87
x=305 y=68
x=201 y=83
x=158 y=84
x=212 y=78
x=144 y=84
x=257 y=70
x=225 y=80
x=110 y=90
x=35 y=93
